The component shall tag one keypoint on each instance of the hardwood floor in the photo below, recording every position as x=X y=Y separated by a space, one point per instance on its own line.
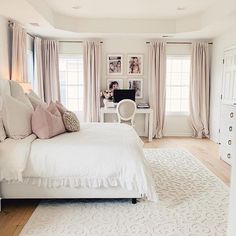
x=15 y=213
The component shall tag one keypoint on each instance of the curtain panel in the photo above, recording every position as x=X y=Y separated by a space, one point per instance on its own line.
x=92 y=71
x=199 y=89
x=38 y=68
x=157 y=85
x=19 y=54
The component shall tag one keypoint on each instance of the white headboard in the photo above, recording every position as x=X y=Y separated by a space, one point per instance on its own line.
x=5 y=87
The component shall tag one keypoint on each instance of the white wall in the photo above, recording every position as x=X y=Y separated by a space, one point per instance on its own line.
x=227 y=40
x=175 y=125
x=122 y=45
x=4 y=49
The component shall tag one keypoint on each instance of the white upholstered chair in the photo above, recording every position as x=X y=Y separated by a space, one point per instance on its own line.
x=126 y=110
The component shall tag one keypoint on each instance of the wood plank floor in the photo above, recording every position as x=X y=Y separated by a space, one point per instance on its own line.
x=15 y=213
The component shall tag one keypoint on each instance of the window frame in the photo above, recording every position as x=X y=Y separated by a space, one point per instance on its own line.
x=71 y=56
x=177 y=113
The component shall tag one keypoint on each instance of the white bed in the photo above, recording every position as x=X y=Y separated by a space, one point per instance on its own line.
x=100 y=161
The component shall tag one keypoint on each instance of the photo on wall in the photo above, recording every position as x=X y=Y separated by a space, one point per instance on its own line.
x=135 y=64
x=137 y=85
x=114 y=84
x=115 y=64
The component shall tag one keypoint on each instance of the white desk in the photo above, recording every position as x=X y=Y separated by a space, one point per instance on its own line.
x=148 y=118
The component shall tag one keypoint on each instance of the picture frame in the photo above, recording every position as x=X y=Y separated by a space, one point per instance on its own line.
x=135 y=64
x=114 y=84
x=115 y=64
x=137 y=85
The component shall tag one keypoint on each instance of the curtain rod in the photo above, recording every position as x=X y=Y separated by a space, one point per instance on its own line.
x=179 y=43
x=71 y=41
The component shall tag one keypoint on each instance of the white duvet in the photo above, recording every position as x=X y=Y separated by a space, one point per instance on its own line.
x=100 y=155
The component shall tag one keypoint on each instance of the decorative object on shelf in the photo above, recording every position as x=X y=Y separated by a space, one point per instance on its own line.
x=137 y=85
x=135 y=64
x=107 y=94
x=115 y=64
x=107 y=97
x=143 y=105
x=114 y=84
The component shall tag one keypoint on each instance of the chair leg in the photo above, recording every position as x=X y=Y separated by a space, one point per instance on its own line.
x=134 y=200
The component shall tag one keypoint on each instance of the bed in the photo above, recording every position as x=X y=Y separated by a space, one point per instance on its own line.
x=102 y=160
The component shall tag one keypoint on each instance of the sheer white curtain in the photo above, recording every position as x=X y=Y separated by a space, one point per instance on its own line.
x=38 y=67
x=199 y=89
x=19 y=54
x=92 y=64
x=157 y=85
x=50 y=62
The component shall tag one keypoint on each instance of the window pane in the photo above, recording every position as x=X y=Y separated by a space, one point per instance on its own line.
x=71 y=83
x=185 y=93
x=177 y=83
x=175 y=92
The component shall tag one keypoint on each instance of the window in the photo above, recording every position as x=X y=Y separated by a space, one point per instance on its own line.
x=71 y=83
x=177 y=84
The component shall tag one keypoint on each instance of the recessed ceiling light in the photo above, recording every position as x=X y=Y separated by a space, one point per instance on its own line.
x=167 y=36
x=180 y=8
x=76 y=7
x=34 y=24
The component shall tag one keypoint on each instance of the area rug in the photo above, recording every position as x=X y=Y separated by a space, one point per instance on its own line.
x=192 y=201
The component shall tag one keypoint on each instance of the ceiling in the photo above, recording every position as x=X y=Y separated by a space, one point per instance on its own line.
x=148 y=19
x=130 y=9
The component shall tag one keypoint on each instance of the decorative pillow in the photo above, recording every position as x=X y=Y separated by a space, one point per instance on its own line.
x=35 y=100
x=60 y=107
x=47 y=122
x=16 y=118
x=71 y=121
x=2 y=131
x=18 y=93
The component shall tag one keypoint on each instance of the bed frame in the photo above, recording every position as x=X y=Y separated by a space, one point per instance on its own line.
x=28 y=191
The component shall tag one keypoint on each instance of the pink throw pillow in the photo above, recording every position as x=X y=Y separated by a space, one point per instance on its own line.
x=47 y=122
x=61 y=108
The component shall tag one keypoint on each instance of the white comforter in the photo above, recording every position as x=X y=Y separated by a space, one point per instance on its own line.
x=100 y=155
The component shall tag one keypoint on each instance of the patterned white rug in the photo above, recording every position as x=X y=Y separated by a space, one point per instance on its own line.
x=193 y=201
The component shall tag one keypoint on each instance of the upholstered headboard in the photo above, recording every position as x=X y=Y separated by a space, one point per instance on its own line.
x=5 y=87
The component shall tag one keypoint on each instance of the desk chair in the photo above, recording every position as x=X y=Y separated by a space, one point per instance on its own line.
x=126 y=110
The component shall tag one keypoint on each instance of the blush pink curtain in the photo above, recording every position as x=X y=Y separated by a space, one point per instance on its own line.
x=157 y=85
x=199 y=89
x=38 y=68
x=50 y=61
x=92 y=70
x=19 y=54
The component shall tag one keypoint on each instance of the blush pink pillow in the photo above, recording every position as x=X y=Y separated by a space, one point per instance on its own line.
x=47 y=122
x=61 y=108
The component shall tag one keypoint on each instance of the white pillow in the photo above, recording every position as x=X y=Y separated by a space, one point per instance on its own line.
x=2 y=131
x=35 y=100
x=18 y=93
x=16 y=118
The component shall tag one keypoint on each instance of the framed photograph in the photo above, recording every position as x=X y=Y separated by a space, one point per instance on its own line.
x=135 y=64
x=115 y=64
x=137 y=85
x=114 y=84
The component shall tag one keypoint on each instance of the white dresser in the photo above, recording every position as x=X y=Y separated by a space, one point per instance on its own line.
x=228 y=108
x=228 y=133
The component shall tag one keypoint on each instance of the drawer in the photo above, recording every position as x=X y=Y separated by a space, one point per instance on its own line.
x=228 y=114
x=226 y=154
x=228 y=130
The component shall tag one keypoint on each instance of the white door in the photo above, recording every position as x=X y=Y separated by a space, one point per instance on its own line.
x=229 y=78
x=228 y=108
